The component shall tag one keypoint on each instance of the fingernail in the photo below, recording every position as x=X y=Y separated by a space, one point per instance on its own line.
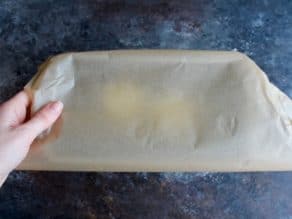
x=56 y=106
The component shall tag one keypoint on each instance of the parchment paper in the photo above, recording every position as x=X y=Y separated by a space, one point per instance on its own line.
x=160 y=110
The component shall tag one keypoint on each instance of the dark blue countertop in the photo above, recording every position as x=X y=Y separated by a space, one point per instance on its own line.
x=30 y=31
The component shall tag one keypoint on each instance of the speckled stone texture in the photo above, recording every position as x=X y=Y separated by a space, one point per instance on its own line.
x=32 y=30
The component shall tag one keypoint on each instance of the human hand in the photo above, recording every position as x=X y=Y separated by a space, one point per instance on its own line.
x=16 y=134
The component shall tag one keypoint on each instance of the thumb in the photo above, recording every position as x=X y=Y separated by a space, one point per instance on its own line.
x=43 y=119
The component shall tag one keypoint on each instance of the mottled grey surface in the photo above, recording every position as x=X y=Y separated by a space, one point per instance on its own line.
x=30 y=31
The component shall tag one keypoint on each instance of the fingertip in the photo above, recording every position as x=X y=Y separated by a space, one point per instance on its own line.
x=55 y=107
x=21 y=98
